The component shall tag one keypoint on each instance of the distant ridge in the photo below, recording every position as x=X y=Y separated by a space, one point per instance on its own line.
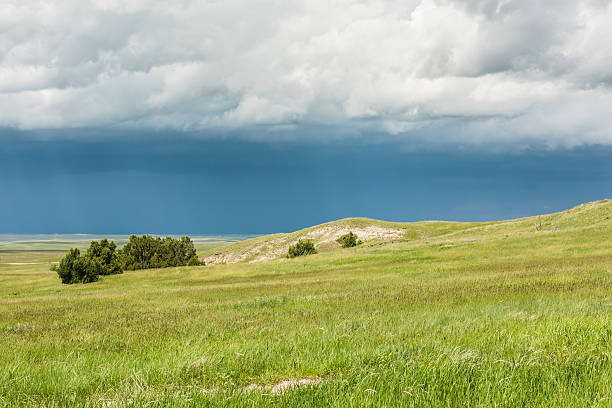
x=376 y=233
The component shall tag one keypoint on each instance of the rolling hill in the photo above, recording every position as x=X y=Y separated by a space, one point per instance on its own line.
x=377 y=233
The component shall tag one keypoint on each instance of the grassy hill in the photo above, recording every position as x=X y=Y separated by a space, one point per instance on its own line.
x=376 y=233
x=506 y=313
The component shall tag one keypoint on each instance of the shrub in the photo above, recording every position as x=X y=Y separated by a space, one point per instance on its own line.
x=104 y=252
x=303 y=247
x=77 y=268
x=348 y=240
x=146 y=252
x=194 y=261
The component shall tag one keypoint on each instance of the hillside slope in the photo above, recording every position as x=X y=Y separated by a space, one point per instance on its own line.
x=376 y=233
x=499 y=314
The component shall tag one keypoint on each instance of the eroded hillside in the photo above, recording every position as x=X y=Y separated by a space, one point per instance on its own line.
x=376 y=233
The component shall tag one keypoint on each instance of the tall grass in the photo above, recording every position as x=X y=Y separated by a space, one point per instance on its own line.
x=495 y=314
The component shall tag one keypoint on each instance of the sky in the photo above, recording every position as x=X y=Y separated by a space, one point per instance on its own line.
x=240 y=117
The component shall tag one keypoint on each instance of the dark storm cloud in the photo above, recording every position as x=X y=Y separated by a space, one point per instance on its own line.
x=204 y=186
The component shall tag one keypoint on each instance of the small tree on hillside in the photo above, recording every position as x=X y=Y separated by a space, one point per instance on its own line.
x=348 y=240
x=303 y=247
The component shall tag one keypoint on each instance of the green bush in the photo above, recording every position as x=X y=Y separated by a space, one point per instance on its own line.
x=104 y=252
x=194 y=261
x=77 y=268
x=99 y=259
x=303 y=247
x=348 y=240
x=146 y=252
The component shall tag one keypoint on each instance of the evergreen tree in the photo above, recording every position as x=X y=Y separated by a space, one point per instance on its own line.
x=76 y=268
x=144 y=252
x=105 y=253
x=348 y=240
x=303 y=247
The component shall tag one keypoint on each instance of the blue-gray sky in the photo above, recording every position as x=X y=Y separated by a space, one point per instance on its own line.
x=242 y=117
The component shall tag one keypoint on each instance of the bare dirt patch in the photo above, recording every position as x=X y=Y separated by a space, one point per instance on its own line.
x=283 y=386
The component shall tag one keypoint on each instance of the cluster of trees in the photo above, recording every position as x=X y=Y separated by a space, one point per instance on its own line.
x=103 y=257
x=146 y=252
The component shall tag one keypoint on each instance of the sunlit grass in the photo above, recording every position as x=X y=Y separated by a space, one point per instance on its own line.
x=495 y=314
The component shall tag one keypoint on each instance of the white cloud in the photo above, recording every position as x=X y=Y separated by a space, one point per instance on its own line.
x=479 y=71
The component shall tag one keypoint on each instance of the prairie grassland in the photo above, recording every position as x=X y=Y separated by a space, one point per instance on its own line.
x=499 y=314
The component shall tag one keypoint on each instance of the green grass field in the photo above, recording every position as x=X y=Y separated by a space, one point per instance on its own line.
x=499 y=314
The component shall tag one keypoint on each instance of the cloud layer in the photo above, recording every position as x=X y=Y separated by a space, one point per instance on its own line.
x=472 y=71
